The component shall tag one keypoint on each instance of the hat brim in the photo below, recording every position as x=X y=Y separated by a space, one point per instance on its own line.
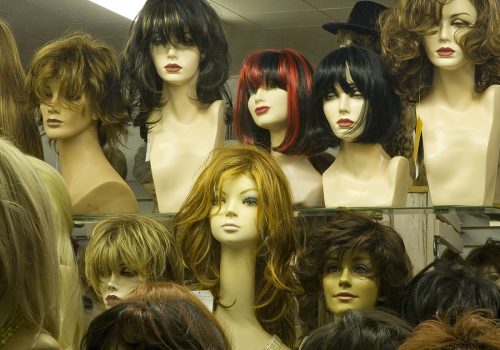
x=335 y=27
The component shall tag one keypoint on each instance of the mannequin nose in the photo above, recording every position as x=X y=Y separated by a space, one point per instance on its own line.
x=345 y=278
x=112 y=282
x=444 y=32
x=231 y=209
x=259 y=94
x=344 y=103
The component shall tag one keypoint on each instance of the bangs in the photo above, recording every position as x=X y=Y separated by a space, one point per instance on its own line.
x=265 y=70
x=170 y=22
x=333 y=70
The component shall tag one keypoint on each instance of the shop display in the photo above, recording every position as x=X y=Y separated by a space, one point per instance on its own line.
x=271 y=111
x=444 y=58
x=78 y=100
x=175 y=66
x=355 y=104
x=237 y=235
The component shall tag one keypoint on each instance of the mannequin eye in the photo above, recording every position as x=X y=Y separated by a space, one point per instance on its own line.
x=356 y=94
x=332 y=268
x=460 y=23
x=127 y=273
x=331 y=95
x=362 y=269
x=217 y=201
x=250 y=201
x=251 y=92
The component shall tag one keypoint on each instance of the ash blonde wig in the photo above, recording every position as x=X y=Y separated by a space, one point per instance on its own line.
x=276 y=246
x=141 y=243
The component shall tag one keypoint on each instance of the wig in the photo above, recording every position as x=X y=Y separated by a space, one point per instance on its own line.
x=473 y=330
x=15 y=123
x=141 y=243
x=173 y=319
x=374 y=329
x=352 y=232
x=84 y=67
x=434 y=292
x=29 y=271
x=285 y=69
x=403 y=28
x=485 y=256
x=71 y=307
x=382 y=111
x=161 y=22
x=276 y=246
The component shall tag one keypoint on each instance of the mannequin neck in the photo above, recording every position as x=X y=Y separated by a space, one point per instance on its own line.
x=453 y=87
x=237 y=282
x=360 y=158
x=181 y=103
x=277 y=136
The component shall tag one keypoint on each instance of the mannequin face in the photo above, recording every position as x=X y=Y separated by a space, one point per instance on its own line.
x=60 y=122
x=441 y=47
x=176 y=63
x=234 y=222
x=343 y=111
x=116 y=286
x=491 y=273
x=349 y=285
x=268 y=108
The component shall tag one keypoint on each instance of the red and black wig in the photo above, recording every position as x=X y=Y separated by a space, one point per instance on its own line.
x=285 y=69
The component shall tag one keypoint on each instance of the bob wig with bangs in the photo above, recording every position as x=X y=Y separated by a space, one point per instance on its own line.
x=353 y=232
x=403 y=28
x=84 y=67
x=381 y=114
x=161 y=22
x=141 y=243
x=285 y=69
x=276 y=246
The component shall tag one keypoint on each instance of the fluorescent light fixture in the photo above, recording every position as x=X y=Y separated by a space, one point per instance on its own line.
x=125 y=8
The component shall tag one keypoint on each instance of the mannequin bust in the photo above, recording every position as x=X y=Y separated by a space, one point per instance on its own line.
x=352 y=263
x=237 y=234
x=126 y=251
x=271 y=111
x=446 y=59
x=29 y=277
x=175 y=66
x=81 y=112
x=355 y=104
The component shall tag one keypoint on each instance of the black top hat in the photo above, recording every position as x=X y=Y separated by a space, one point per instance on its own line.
x=362 y=19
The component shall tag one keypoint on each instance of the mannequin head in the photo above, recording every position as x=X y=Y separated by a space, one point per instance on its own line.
x=357 y=255
x=126 y=251
x=350 y=85
x=484 y=260
x=192 y=25
x=82 y=90
x=374 y=329
x=435 y=292
x=276 y=241
x=405 y=29
x=262 y=74
x=29 y=271
x=15 y=123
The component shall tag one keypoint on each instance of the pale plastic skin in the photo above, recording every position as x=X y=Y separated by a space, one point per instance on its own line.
x=119 y=284
x=347 y=285
x=80 y=154
x=363 y=175
x=186 y=130
x=268 y=107
x=461 y=129
x=234 y=224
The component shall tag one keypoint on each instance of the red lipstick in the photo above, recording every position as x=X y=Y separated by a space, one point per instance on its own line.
x=172 y=67
x=261 y=110
x=445 y=51
x=345 y=123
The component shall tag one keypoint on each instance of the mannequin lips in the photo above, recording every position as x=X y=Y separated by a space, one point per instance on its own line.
x=112 y=300
x=445 y=51
x=344 y=296
x=172 y=67
x=345 y=123
x=261 y=110
x=230 y=227
x=53 y=123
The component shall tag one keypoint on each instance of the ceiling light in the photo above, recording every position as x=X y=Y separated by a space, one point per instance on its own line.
x=125 y=8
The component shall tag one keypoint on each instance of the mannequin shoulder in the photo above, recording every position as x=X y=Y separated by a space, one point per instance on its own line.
x=111 y=197
x=45 y=342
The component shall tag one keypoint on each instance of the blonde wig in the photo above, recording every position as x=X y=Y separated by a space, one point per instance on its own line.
x=143 y=244
x=29 y=271
x=15 y=124
x=277 y=244
x=71 y=306
x=403 y=28
x=84 y=67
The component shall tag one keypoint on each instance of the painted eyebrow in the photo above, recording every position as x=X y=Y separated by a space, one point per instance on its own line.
x=245 y=191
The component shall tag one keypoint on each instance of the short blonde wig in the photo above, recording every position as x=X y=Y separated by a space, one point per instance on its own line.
x=143 y=244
